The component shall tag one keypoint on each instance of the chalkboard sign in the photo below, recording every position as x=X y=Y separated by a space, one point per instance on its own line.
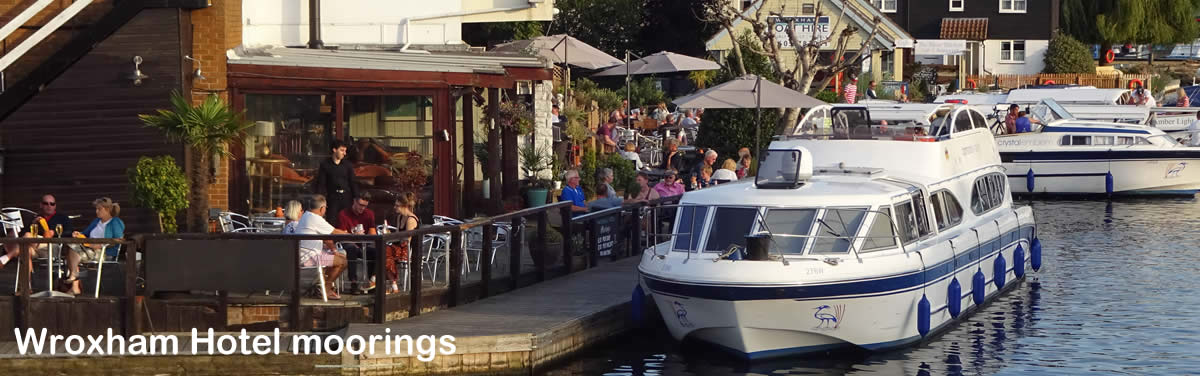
x=604 y=232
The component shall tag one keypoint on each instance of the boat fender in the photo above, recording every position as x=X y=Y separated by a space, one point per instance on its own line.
x=1035 y=254
x=1019 y=262
x=954 y=298
x=999 y=270
x=636 y=304
x=1108 y=183
x=1029 y=181
x=923 y=316
x=978 y=287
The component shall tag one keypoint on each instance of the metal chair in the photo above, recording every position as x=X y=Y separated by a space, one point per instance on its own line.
x=233 y=222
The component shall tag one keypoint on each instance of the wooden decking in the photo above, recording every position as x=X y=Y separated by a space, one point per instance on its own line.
x=512 y=333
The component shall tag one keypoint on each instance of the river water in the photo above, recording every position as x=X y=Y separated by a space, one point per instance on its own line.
x=1115 y=296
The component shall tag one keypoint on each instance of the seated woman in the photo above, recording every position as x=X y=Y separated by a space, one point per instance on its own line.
x=292 y=213
x=105 y=226
x=727 y=173
x=631 y=154
x=406 y=220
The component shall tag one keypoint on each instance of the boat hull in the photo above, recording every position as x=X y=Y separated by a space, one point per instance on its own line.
x=1125 y=173
x=766 y=322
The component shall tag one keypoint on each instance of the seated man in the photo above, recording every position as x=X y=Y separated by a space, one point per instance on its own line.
x=358 y=219
x=574 y=193
x=314 y=252
x=50 y=224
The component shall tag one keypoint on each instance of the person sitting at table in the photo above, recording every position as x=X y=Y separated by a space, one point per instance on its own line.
x=105 y=226
x=358 y=219
x=670 y=185
x=574 y=193
x=645 y=193
x=320 y=252
x=406 y=220
x=631 y=154
x=743 y=163
x=607 y=195
x=704 y=178
x=727 y=172
x=605 y=134
x=674 y=158
x=710 y=159
x=291 y=214
x=660 y=113
x=49 y=220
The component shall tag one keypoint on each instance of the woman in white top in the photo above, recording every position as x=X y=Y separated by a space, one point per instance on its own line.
x=726 y=172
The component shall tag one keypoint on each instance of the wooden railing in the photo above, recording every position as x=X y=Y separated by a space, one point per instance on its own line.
x=1015 y=81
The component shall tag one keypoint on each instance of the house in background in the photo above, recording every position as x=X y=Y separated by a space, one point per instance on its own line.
x=1001 y=36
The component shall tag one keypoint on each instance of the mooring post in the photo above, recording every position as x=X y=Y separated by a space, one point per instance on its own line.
x=381 y=281
x=456 y=267
x=485 y=248
x=515 y=235
x=568 y=240
x=294 y=301
x=414 y=276
x=131 y=317
x=541 y=245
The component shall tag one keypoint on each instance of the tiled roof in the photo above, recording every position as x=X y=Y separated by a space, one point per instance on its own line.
x=964 y=28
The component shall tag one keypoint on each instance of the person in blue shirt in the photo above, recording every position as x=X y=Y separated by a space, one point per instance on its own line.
x=574 y=193
x=1024 y=124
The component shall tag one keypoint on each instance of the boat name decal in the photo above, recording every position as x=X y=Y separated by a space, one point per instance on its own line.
x=1022 y=142
x=829 y=317
x=1176 y=170
x=681 y=314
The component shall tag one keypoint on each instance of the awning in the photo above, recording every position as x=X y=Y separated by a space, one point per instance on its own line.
x=964 y=28
x=559 y=48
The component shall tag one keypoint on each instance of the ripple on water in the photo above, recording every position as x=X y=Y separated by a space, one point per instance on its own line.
x=1114 y=297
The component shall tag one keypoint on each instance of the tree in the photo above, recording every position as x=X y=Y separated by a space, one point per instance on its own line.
x=492 y=33
x=206 y=129
x=160 y=185
x=1106 y=22
x=677 y=26
x=613 y=26
x=727 y=130
x=643 y=93
x=812 y=56
x=1067 y=55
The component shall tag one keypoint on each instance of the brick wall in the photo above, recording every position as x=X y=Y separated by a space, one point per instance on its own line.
x=215 y=30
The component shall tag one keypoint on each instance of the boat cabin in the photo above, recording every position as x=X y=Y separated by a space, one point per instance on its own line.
x=885 y=121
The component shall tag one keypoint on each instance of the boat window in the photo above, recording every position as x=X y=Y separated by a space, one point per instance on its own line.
x=1124 y=140
x=1143 y=141
x=880 y=236
x=940 y=127
x=922 y=213
x=962 y=121
x=1081 y=140
x=946 y=209
x=1164 y=140
x=779 y=169
x=816 y=123
x=988 y=193
x=939 y=215
x=730 y=226
x=688 y=226
x=789 y=229
x=906 y=222
x=978 y=119
x=1102 y=140
x=837 y=230
x=1066 y=141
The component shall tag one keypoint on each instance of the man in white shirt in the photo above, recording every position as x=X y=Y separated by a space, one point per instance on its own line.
x=1193 y=130
x=320 y=251
x=689 y=119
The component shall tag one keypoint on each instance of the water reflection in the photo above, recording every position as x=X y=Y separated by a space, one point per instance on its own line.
x=1112 y=298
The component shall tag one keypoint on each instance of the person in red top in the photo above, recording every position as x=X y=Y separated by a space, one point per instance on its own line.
x=358 y=219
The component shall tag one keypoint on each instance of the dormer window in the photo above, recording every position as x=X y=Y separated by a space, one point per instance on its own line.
x=1012 y=6
x=783 y=169
x=956 y=5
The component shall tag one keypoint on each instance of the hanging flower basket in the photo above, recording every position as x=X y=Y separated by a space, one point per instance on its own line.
x=515 y=115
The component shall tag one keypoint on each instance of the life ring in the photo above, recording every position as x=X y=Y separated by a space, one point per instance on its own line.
x=1139 y=82
x=1109 y=56
x=1048 y=82
x=972 y=84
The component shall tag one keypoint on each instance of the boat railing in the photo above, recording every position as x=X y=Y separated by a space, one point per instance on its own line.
x=666 y=215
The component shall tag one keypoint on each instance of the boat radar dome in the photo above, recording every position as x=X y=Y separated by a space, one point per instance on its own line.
x=784 y=168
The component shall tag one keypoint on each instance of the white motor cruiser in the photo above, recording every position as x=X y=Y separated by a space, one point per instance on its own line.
x=852 y=235
x=1085 y=103
x=1065 y=155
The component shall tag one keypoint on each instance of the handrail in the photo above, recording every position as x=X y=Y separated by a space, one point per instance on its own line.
x=23 y=17
x=68 y=240
x=43 y=32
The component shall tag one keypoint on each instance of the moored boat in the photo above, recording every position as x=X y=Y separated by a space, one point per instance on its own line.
x=852 y=234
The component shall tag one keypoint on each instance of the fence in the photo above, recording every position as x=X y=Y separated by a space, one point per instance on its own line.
x=1014 y=81
x=182 y=260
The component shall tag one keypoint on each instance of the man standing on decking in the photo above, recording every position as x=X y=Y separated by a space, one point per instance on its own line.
x=335 y=179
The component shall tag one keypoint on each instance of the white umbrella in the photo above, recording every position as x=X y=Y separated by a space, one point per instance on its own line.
x=749 y=91
x=662 y=62
x=561 y=49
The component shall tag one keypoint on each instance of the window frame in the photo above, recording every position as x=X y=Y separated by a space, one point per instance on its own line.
x=877 y=214
x=943 y=196
x=989 y=192
x=711 y=223
x=964 y=113
x=811 y=246
x=765 y=216
x=1012 y=6
x=1011 y=50
x=882 y=5
x=698 y=238
x=961 y=5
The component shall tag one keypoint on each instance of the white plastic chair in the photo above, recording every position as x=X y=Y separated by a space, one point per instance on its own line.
x=233 y=222
x=10 y=220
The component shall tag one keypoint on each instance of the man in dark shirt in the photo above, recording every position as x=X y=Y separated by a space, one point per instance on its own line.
x=359 y=220
x=335 y=180
x=54 y=220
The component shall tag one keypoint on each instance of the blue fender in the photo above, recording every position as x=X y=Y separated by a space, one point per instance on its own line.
x=636 y=304
x=1108 y=183
x=1035 y=254
x=999 y=270
x=978 y=287
x=923 y=316
x=1029 y=183
x=954 y=298
x=1019 y=261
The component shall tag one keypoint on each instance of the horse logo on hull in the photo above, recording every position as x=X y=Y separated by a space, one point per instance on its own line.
x=829 y=317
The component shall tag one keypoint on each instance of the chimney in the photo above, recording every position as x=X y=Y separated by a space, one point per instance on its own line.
x=314 y=25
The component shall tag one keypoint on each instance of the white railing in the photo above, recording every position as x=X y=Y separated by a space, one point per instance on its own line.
x=41 y=33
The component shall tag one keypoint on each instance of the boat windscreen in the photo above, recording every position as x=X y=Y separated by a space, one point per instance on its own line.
x=688 y=225
x=837 y=229
x=789 y=229
x=729 y=227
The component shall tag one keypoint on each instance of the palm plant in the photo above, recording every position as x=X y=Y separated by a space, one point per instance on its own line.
x=206 y=129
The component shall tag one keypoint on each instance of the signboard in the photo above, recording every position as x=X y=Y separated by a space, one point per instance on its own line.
x=604 y=233
x=806 y=27
x=1173 y=122
x=940 y=47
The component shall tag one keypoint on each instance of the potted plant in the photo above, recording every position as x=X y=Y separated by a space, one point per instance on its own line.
x=554 y=243
x=534 y=161
x=159 y=184
x=481 y=154
x=515 y=115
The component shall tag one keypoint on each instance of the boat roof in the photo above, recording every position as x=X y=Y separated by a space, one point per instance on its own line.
x=1074 y=94
x=819 y=191
x=1080 y=126
x=916 y=112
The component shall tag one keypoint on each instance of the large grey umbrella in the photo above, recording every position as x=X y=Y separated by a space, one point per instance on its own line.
x=749 y=91
x=561 y=49
x=662 y=62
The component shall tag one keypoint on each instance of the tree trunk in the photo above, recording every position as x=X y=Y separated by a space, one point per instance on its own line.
x=790 y=117
x=198 y=207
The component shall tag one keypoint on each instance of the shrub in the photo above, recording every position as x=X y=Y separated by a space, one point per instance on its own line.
x=1067 y=55
x=159 y=184
x=827 y=96
x=643 y=93
x=623 y=173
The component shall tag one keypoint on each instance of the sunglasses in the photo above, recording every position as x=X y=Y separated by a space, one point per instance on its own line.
x=49 y=203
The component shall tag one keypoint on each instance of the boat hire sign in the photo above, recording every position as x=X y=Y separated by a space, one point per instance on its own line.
x=807 y=29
